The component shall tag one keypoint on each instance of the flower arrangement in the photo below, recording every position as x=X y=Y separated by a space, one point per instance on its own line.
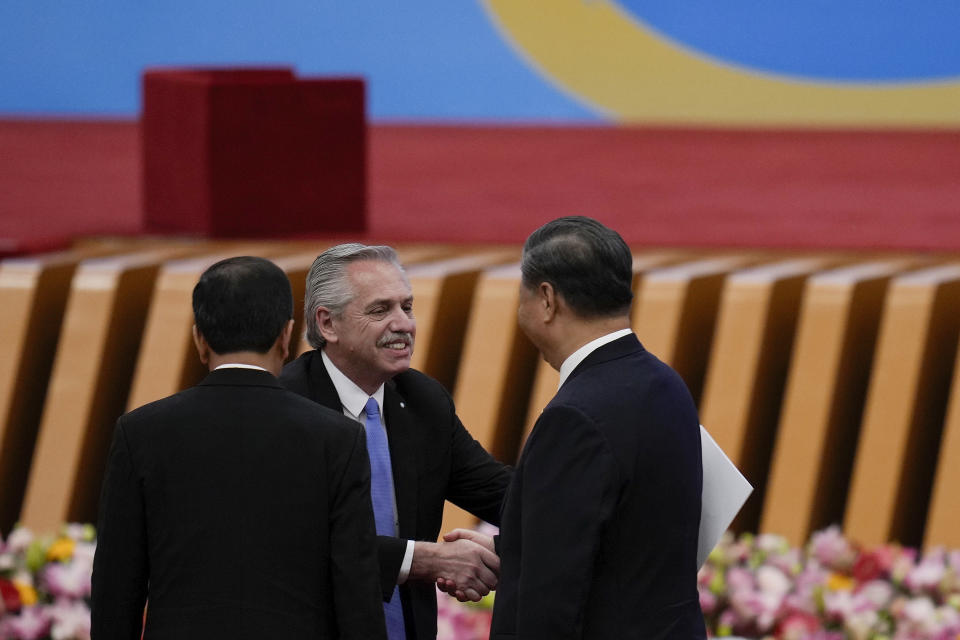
x=45 y=584
x=758 y=586
x=754 y=586
x=463 y=621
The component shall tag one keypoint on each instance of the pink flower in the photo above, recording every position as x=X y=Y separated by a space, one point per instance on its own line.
x=797 y=625
x=760 y=609
x=790 y=562
x=70 y=579
x=32 y=623
x=874 y=564
x=837 y=605
x=71 y=620
x=832 y=549
x=740 y=579
x=708 y=602
x=903 y=564
x=926 y=576
x=705 y=575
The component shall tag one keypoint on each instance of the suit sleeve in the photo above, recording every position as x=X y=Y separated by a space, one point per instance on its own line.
x=569 y=490
x=478 y=482
x=390 y=551
x=120 y=565
x=353 y=548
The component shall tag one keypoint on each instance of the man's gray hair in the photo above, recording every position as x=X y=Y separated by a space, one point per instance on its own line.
x=327 y=284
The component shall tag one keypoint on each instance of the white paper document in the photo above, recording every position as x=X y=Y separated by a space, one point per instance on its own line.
x=724 y=492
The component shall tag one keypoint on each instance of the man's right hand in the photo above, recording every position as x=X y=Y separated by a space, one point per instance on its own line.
x=469 y=569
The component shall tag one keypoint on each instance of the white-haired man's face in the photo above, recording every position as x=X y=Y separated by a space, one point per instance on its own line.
x=372 y=339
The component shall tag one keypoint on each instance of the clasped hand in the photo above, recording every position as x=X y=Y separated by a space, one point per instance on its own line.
x=463 y=565
x=451 y=586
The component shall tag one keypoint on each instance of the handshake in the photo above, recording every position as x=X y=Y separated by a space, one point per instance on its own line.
x=464 y=565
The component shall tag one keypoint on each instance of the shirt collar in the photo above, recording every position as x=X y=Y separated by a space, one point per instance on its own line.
x=237 y=365
x=352 y=397
x=580 y=354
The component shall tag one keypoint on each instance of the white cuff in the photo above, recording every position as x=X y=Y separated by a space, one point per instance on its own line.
x=405 y=565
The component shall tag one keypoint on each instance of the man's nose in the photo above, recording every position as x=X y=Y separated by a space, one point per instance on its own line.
x=400 y=322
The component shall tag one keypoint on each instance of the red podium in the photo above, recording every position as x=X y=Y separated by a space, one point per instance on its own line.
x=252 y=152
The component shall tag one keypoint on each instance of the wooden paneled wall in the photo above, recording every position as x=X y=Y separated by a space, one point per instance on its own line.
x=830 y=379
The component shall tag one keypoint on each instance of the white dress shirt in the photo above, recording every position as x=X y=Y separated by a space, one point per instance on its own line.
x=237 y=365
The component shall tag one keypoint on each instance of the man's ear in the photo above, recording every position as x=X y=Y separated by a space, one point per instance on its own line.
x=548 y=300
x=284 y=339
x=203 y=349
x=325 y=324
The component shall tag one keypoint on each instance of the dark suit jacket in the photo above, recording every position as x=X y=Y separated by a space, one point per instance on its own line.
x=434 y=459
x=598 y=538
x=240 y=511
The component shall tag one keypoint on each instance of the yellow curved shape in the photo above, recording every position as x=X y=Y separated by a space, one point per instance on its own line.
x=595 y=51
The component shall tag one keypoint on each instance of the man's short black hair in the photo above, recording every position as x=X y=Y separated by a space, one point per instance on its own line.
x=588 y=265
x=242 y=304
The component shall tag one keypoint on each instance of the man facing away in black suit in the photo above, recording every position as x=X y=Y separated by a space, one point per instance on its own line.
x=237 y=508
x=359 y=319
x=598 y=535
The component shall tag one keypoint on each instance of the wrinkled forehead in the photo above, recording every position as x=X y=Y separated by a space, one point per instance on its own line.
x=372 y=280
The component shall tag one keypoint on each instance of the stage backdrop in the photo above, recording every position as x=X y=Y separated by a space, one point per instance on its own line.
x=737 y=63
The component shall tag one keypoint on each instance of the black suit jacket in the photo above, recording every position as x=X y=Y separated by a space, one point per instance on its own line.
x=434 y=459
x=240 y=511
x=598 y=537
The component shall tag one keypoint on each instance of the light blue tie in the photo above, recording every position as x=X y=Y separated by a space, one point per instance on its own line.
x=381 y=494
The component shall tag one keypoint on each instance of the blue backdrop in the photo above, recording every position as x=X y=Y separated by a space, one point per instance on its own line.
x=437 y=59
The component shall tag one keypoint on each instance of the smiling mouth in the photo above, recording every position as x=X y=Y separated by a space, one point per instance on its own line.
x=396 y=342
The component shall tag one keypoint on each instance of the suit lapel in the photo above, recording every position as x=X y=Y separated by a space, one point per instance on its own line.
x=403 y=458
x=320 y=386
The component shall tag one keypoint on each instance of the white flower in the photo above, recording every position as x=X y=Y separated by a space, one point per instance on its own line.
x=925 y=576
x=773 y=580
x=860 y=624
x=71 y=620
x=19 y=539
x=918 y=610
x=876 y=593
x=838 y=604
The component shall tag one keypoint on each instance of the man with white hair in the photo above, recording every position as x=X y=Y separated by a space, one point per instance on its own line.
x=359 y=319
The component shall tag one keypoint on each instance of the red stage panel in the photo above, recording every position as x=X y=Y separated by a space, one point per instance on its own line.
x=252 y=152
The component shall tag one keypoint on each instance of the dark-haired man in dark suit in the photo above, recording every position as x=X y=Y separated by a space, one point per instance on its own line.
x=359 y=318
x=236 y=507
x=599 y=528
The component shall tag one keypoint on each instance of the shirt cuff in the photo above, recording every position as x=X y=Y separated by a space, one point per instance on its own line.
x=405 y=565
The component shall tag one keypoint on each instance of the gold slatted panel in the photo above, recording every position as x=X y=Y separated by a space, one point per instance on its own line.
x=906 y=403
x=943 y=520
x=496 y=373
x=748 y=367
x=33 y=295
x=824 y=397
x=675 y=312
x=99 y=341
x=443 y=292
